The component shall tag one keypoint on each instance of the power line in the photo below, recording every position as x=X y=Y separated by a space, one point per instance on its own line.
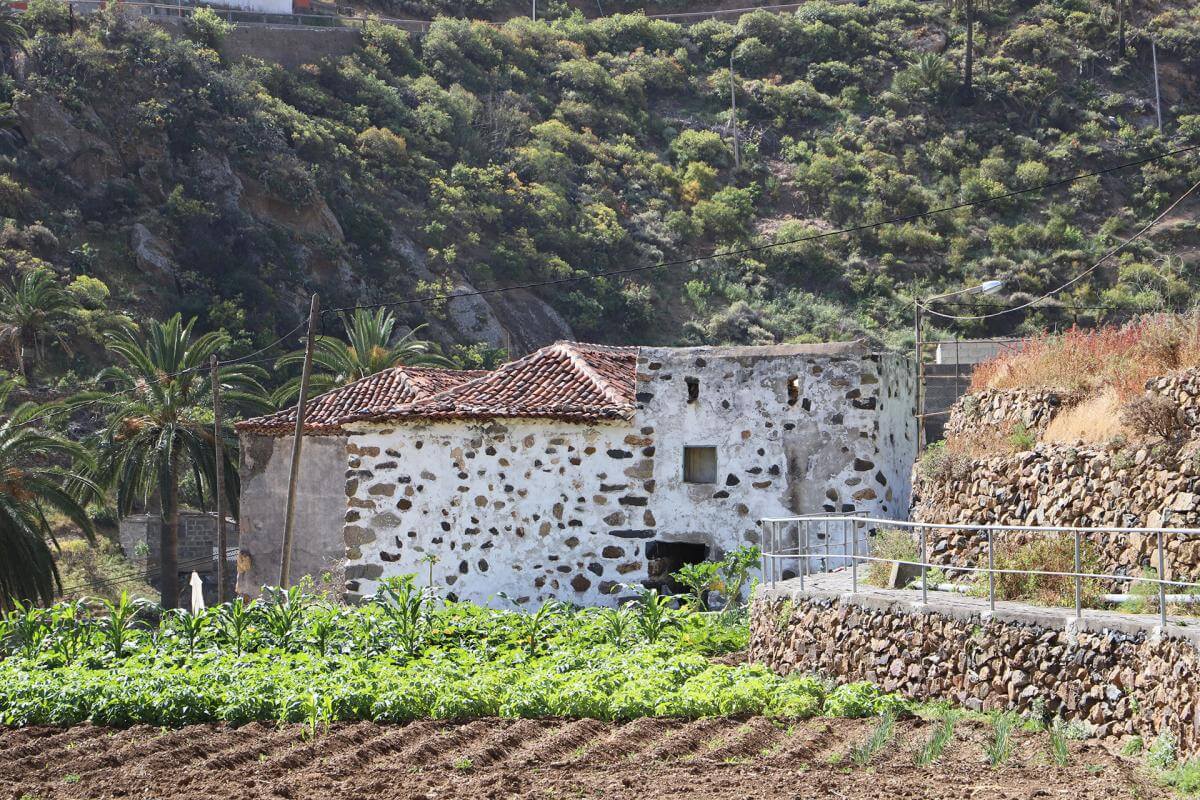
x=759 y=248
x=133 y=577
x=1074 y=280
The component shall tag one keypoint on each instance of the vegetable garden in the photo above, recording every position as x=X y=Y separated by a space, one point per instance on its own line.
x=296 y=657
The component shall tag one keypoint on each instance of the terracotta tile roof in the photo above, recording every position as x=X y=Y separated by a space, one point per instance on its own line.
x=566 y=380
x=383 y=390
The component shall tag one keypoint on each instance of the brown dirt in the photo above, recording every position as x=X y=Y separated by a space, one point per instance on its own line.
x=502 y=758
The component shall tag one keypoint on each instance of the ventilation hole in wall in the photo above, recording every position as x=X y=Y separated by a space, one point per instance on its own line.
x=693 y=389
x=793 y=390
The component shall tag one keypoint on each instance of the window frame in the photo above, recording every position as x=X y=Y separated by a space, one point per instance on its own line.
x=716 y=464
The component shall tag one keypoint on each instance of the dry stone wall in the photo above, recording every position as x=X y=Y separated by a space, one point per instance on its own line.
x=1070 y=486
x=1006 y=408
x=1183 y=388
x=1116 y=485
x=1123 y=677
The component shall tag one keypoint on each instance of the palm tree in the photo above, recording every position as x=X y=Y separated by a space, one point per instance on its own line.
x=30 y=485
x=159 y=425
x=12 y=35
x=35 y=305
x=369 y=350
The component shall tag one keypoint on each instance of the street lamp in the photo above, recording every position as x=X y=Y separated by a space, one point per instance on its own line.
x=985 y=288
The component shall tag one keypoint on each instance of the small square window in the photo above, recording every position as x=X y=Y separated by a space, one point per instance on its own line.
x=699 y=465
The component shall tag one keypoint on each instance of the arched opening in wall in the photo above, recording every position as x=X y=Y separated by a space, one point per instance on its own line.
x=693 y=389
x=793 y=390
x=665 y=558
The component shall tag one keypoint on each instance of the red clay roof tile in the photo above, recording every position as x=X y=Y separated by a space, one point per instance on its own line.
x=566 y=380
x=383 y=390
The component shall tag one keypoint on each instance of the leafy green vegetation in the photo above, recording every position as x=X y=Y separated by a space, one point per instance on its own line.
x=295 y=657
x=1000 y=747
x=549 y=150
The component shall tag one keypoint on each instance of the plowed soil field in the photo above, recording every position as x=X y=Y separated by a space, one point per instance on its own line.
x=501 y=758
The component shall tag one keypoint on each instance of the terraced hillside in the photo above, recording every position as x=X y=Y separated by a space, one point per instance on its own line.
x=501 y=758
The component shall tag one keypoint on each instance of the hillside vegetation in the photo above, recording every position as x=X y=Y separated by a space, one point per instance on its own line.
x=477 y=156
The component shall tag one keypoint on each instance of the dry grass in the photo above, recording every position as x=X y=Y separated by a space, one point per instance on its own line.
x=1121 y=357
x=1096 y=420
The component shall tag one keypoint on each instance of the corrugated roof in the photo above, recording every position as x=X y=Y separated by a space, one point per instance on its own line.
x=390 y=388
x=566 y=380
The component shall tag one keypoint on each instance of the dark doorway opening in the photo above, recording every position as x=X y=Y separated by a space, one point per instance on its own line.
x=664 y=558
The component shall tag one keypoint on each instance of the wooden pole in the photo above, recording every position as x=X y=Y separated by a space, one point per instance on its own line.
x=285 y=559
x=968 y=93
x=219 y=489
x=737 y=150
x=1157 y=96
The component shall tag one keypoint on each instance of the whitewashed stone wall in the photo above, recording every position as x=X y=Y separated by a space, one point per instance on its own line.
x=542 y=509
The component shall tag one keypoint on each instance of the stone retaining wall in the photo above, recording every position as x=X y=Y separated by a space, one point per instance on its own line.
x=1183 y=387
x=1124 y=676
x=1033 y=408
x=1075 y=486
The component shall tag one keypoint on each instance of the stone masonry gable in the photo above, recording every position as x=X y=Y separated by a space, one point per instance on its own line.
x=387 y=389
x=568 y=381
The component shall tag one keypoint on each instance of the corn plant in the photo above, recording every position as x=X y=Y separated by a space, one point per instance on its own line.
x=406 y=606
x=943 y=732
x=616 y=623
x=282 y=613
x=117 y=626
x=533 y=626
x=323 y=627
x=880 y=735
x=655 y=615
x=187 y=627
x=236 y=618
x=1058 y=742
x=317 y=711
x=69 y=630
x=1000 y=747
x=26 y=628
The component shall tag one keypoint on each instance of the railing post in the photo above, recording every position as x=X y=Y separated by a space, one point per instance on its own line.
x=853 y=555
x=828 y=547
x=991 y=572
x=924 y=570
x=762 y=551
x=801 y=551
x=845 y=542
x=1079 y=582
x=1162 y=576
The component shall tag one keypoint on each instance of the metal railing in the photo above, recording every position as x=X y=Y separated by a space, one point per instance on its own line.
x=815 y=543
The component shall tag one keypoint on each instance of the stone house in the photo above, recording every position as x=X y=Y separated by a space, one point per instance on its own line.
x=266 y=457
x=141 y=542
x=581 y=468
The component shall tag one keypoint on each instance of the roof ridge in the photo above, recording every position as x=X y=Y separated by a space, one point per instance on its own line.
x=597 y=380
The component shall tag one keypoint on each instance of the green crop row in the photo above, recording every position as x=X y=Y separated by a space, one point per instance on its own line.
x=295 y=657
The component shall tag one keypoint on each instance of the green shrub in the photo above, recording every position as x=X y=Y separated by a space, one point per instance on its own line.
x=893 y=544
x=208 y=28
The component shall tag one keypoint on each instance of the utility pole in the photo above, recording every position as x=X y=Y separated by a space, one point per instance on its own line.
x=737 y=151
x=219 y=489
x=1121 y=29
x=285 y=559
x=1157 y=96
x=534 y=12
x=968 y=88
